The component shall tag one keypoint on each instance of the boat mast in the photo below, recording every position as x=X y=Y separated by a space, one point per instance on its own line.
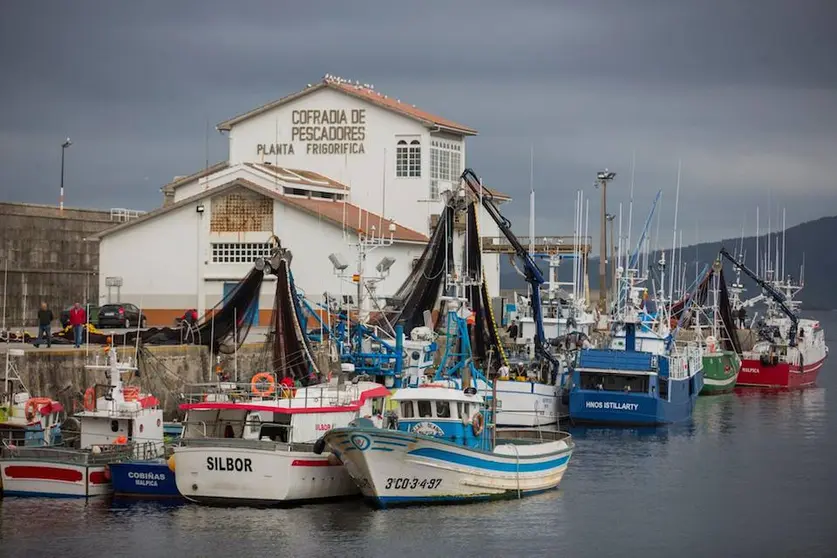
x=674 y=240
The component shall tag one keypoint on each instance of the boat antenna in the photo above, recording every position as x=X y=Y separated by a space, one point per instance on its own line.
x=532 y=199
x=784 y=230
x=674 y=241
x=630 y=210
x=136 y=341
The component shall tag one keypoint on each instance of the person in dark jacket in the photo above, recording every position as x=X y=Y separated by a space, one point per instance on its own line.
x=78 y=318
x=45 y=318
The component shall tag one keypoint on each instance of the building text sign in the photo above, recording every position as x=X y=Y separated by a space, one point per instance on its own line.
x=322 y=132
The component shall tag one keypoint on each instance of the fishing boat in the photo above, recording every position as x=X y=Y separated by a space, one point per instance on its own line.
x=118 y=423
x=790 y=351
x=26 y=421
x=721 y=363
x=644 y=377
x=443 y=448
x=253 y=444
x=259 y=450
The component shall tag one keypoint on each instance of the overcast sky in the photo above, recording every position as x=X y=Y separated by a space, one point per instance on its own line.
x=743 y=92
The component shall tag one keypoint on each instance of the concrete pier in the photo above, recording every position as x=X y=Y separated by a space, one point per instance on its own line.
x=59 y=372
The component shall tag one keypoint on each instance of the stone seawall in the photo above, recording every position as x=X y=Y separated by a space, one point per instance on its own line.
x=163 y=371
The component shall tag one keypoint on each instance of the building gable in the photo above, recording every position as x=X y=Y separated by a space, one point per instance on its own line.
x=365 y=92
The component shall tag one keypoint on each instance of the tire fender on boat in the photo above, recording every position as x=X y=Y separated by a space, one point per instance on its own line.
x=319 y=446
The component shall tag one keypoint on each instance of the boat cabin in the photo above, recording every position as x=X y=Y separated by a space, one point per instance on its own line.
x=27 y=421
x=454 y=415
x=116 y=414
x=298 y=416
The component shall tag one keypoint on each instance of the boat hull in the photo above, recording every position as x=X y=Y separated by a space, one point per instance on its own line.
x=589 y=406
x=394 y=468
x=720 y=372
x=754 y=373
x=221 y=475
x=148 y=479
x=25 y=477
x=526 y=404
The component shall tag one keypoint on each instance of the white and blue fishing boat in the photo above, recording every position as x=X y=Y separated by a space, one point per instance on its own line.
x=441 y=446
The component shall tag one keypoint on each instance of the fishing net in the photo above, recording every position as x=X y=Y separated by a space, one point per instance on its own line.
x=291 y=353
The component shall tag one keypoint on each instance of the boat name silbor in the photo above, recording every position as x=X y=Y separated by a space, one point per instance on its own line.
x=237 y=464
x=612 y=405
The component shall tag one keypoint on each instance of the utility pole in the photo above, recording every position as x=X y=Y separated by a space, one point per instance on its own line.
x=611 y=218
x=64 y=147
x=603 y=177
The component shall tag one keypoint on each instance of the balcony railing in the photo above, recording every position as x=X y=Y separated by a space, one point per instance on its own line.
x=543 y=244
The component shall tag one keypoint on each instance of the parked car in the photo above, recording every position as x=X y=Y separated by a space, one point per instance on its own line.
x=92 y=315
x=120 y=315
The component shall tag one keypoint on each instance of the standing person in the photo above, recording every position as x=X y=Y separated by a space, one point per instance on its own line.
x=78 y=317
x=45 y=318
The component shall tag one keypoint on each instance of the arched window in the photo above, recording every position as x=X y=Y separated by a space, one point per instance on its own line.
x=408 y=159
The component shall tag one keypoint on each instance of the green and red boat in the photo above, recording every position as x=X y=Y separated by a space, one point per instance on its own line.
x=715 y=328
x=720 y=369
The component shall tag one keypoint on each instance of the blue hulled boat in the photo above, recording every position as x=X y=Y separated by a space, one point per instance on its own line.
x=644 y=377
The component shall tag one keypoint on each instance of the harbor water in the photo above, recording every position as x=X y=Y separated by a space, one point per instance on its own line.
x=751 y=475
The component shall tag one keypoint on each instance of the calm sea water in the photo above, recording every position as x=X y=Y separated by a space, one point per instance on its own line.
x=752 y=475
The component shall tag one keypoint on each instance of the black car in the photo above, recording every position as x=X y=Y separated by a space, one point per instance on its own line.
x=120 y=315
x=92 y=312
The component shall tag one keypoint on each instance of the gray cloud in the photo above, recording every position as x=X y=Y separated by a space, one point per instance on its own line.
x=743 y=93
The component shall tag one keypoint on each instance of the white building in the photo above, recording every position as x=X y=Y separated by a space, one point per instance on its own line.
x=311 y=168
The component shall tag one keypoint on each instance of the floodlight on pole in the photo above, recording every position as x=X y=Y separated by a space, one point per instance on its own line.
x=64 y=147
x=603 y=177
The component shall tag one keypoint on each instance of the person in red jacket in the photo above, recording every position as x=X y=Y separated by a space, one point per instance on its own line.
x=78 y=317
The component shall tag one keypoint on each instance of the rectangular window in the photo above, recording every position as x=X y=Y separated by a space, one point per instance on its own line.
x=445 y=160
x=425 y=409
x=407 y=409
x=408 y=159
x=442 y=409
x=239 y=252
x=434 y=189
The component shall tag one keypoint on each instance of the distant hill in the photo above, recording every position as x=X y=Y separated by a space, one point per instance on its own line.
x=817 y=240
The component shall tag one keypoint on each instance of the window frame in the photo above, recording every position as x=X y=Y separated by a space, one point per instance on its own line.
x=408 y=157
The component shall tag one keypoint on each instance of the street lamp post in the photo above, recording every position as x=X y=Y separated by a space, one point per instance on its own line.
x=611 y=218
x=64 y=147
x=603 y=178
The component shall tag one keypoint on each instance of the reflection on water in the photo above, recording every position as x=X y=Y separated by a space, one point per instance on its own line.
x=750 y=475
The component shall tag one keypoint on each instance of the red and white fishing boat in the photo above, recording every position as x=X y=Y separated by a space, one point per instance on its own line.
x=255 y=446
x=119 y=424
x=778 y=363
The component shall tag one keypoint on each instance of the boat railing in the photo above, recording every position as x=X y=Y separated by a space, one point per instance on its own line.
x=319 y=395
x=108 y=453
x=531 y=435
x=243 y=443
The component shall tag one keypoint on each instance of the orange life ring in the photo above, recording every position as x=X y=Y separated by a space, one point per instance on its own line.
x=121 y=440
x=29 y=409
x=90 y=399
x=263 y=377
x=131 y=393
x=477 y=424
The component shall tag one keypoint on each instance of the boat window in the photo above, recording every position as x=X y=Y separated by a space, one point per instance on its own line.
x=407 y=409
x=442 y=409
x=114 y=426
x=425 y=409
x=459 y=409
x=377 y=405
x=466 y=412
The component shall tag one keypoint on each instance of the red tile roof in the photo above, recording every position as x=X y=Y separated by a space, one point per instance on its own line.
x=296 y=176
x=362 y=92
x=355 y=218
x=332 y=211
